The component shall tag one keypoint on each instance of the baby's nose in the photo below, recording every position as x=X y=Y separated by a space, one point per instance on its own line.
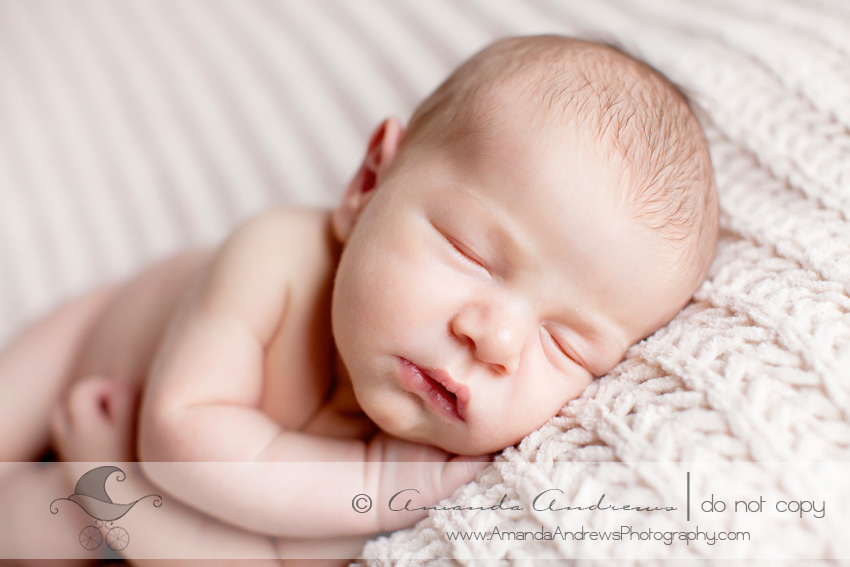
x=494 y=339
x=503 y=351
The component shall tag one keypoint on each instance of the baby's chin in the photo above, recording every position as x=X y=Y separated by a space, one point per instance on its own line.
x=451 y=444
x=393 y=423
x=402 y=421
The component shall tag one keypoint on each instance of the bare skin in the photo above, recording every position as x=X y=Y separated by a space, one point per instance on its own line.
x=97 y=426
x=86 y=336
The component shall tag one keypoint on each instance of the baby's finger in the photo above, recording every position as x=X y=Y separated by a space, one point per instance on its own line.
x=473 y=463
x=459 y=471
x=59 y=425
x=119 y=402
x=89 y=402
x=100 y=414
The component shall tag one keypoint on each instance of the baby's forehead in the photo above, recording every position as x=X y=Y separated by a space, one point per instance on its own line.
x=589 y=76
x=608 y=100
x=632 y=115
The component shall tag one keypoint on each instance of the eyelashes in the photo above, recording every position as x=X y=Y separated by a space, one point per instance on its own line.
x=559 y=348
x=564 y=352
x=461 y=253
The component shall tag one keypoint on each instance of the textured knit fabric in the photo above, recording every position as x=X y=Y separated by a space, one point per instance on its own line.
x=131 y=129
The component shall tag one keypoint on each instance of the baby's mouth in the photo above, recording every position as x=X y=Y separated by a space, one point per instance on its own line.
x=433 y=386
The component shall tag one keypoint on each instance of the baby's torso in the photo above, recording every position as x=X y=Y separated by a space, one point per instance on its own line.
x=299 y=387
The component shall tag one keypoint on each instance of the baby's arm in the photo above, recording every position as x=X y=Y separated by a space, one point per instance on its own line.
x=95 y=424
x=201 y=405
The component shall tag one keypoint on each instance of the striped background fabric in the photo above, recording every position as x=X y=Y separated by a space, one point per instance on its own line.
x=130 y=129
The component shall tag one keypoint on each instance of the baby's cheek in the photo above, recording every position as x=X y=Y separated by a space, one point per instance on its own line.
x=405 y=296
x=390 y=411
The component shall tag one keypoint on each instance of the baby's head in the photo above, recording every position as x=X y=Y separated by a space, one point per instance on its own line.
x=551 y=204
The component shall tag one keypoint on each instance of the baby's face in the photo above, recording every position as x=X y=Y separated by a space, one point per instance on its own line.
x=479 y=292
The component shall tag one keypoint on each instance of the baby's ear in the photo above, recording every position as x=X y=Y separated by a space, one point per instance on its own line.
x=382 y=149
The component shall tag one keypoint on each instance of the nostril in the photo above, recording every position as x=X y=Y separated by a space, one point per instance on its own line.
x=462 y=338
x=500 y=369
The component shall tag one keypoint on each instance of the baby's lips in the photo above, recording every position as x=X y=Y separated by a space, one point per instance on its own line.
x=458 y=389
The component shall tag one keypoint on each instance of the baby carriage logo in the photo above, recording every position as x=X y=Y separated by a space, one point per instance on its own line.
x=90 y=495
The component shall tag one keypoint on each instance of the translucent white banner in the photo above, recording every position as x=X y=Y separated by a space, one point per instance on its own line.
x=757 y=511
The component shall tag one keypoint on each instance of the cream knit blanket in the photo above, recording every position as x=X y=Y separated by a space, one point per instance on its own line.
x=129 y=129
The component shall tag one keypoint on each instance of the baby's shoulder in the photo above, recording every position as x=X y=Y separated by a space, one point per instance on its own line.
x=283 y=235
x=267 y=258
x=283 y=224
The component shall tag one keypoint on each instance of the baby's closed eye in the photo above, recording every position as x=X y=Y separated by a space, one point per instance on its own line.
x=560 y=347
x=461 y=250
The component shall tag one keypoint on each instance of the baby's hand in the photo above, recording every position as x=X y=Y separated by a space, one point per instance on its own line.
x=96 y=422
x=432 y=472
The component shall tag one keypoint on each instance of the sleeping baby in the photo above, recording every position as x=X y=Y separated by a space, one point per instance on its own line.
x=549 y=205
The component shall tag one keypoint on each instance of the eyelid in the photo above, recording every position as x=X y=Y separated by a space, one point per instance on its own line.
x=459 y=248
x=567 y=352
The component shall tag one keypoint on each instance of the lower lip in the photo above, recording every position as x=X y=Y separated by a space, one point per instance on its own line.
x=440 y=400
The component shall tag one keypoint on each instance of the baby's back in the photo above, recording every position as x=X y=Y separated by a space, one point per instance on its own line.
x=124 y=336
x=111 y=332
